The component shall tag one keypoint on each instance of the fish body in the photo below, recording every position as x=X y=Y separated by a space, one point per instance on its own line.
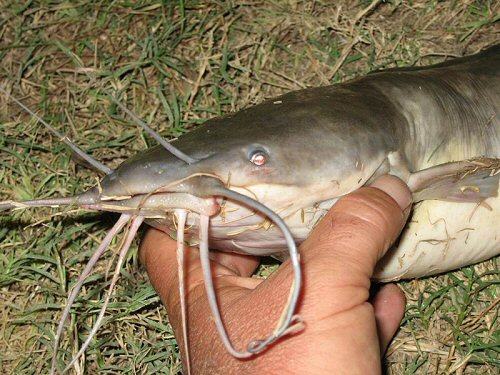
x=436 y=127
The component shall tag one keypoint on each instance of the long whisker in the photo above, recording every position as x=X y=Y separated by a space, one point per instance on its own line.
x=287 y=320
x=136 y=223
x=77 y=150
x=165 y=144
x=86 y=198
x=51 y=202
x=81 y=280
x=181 y=216
x=209 y=286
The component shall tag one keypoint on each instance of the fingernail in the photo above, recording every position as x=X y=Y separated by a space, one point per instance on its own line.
x=396 y=189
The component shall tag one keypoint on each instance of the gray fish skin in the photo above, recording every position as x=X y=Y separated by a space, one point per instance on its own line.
x=322 y=143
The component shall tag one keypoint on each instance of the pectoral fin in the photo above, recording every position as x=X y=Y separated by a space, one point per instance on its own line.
x=463 y=181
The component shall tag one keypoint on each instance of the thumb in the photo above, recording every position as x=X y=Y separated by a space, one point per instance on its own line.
x=357 y=232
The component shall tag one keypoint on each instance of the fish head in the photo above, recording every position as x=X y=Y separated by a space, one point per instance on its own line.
x=289 y=154
x=284 y=152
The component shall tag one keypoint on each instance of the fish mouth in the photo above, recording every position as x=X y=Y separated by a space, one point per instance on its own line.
x=196 y=193
x=200 y=193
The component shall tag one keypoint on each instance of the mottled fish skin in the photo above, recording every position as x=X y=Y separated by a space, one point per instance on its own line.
x=324 y=142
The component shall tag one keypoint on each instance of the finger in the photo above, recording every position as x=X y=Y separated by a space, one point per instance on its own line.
x=157 y=245
x=157 y=252
x=396 y=189
x=358 y=230
x=389 y=305
x=240 y=264
x=339 y=257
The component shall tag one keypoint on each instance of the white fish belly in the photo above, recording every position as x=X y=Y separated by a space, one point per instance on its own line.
x=442 y=236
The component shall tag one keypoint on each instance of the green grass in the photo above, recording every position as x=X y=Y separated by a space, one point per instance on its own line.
x=176 y=64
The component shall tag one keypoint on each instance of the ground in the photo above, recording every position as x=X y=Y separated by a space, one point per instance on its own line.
x=176 y=64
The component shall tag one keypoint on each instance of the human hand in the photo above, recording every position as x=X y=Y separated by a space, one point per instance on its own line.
x=344 y=333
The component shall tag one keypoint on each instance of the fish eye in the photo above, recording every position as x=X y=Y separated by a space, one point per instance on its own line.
x=258 y=157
